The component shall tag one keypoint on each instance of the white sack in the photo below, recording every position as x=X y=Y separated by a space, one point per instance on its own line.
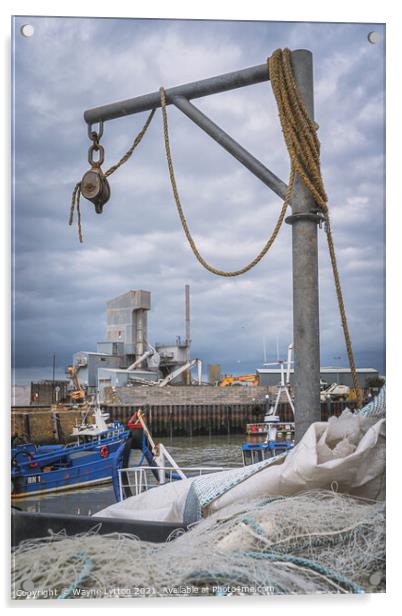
x=360 y=473
x=162 y=504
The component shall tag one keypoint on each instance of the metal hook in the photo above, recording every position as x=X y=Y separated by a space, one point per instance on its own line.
x=91 y=132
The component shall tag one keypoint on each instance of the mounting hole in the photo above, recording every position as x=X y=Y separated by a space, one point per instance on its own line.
x=27 y=30
x=375 y=578
x=374 y=37
x=27 y=585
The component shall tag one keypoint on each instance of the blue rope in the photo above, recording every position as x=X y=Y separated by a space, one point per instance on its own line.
x=300 y=544
x=254 y=525
x=343 y=581
x=83 y=575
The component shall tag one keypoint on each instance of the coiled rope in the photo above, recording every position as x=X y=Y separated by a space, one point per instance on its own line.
x=300 y=134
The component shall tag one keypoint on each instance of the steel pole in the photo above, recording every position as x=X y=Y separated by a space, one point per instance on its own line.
x=304 y=219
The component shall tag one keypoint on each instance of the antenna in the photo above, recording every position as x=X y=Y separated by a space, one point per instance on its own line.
x=187 y=310
x=265 y=349
x=285 y=378
x=187 y=375
x=290 y=349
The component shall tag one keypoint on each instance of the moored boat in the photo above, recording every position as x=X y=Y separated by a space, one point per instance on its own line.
x=279 y=437
x=85 y=462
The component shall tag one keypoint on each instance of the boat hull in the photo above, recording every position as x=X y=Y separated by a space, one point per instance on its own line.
x=62 y=488
x=66 y=469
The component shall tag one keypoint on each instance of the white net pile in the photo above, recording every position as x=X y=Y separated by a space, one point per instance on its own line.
x=314 y=542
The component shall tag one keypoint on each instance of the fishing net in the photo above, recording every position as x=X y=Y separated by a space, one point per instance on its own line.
x=315 y=542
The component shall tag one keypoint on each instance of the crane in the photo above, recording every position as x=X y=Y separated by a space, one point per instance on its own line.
x=249 y=379
x=77 y=394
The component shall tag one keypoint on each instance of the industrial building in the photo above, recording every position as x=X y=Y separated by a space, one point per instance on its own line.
x=126 y=356
x=341 y=376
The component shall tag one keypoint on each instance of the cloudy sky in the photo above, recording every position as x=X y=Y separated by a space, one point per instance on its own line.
x=61 y=287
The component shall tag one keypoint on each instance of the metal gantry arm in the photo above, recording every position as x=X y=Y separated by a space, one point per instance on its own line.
x=195 y=89
x=304 y=217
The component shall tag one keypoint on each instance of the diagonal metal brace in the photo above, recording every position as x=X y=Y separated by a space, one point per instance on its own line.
x=231 y=146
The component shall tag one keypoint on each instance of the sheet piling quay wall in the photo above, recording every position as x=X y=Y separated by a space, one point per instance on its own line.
x=55 y=425
x=198 y=419
x=209 y=419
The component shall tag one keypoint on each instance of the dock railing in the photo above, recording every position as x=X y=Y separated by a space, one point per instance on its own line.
x=142 y=478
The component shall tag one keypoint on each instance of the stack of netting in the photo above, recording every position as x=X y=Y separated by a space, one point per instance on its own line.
x=314 y=542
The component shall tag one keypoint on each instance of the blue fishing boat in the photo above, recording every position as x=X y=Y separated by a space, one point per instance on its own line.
x=85 y=462
x=279 y=438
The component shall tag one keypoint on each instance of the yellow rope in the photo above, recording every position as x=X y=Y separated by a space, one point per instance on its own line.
x=136 y=142
x=75 y=204
x=183 y=220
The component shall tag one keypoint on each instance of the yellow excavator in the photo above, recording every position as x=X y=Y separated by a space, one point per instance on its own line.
x=249 y=379
x=77 y=394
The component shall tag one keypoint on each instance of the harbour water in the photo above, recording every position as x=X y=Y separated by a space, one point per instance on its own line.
x=197 y=451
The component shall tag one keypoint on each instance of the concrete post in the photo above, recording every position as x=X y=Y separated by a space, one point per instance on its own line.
x=306 y=337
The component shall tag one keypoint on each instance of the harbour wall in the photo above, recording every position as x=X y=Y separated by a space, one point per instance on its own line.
x=165 y=416
x=141 y=395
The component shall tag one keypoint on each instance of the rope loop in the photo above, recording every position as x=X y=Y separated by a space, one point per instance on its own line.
x=187 y=232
